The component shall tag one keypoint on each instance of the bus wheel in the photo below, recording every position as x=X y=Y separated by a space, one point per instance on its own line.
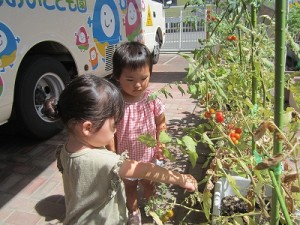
x=155 y=54
x=156 y=50
x=40 y=78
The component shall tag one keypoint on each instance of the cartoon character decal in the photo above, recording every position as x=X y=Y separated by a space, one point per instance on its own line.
x=133 y=20
x=8 y=47
x=93 y=58
x=123 y=4
x=106 y=25
x=82 y=39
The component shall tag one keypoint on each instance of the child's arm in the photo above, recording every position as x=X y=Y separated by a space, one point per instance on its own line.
x=160 y=122
x=149 y=171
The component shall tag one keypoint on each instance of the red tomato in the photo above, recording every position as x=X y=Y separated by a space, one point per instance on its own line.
x=219 y=113
x=220 y=119
x=232 y=133
x=229 y=38
x=233 y=37
x=238 y=130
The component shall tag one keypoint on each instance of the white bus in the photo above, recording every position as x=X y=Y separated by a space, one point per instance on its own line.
x=46 y=43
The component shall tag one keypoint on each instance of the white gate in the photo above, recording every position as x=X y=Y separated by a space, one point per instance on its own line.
x=184 y=29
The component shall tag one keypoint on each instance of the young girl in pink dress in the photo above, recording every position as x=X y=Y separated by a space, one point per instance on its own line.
x=132 y=68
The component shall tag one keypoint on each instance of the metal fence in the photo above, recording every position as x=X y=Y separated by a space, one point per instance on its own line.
x=184 y=28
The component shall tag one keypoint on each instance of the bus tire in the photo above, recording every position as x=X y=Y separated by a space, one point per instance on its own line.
x=156 y=50
x=39 y=79
x=155 y=54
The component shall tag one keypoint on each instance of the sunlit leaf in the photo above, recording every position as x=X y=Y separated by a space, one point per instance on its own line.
x=155 y=218
x=238 y=221
x=147 y=139
x=192 y=89
x=206 y=139
x=189 y=143
x=207 y=201
x=153 y=96
x=164 y=137
x=193 y=156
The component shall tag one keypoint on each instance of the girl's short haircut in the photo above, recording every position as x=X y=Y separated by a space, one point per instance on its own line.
x=91 y=98
x=133 y=55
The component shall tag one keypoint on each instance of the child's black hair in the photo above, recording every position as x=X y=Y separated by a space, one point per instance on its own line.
x=87 y=97
x=133 y=55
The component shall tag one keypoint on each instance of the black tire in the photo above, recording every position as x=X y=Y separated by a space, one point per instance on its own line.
x=39 y=79
x=156 y=50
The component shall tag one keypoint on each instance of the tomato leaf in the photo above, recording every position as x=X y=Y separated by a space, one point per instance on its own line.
x=192 y=89
x=164 y=137
x=189 y=143
x=207 y=196
x=238 y=221
x=148 y=140
x=193 y=156
x=181 y=89
x=153 y=96
x=155 y=217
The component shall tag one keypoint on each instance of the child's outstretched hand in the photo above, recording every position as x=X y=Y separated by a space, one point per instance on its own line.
x=189 y=183
x=159 y=155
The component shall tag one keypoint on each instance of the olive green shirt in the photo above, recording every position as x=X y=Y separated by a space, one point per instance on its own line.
x=94 y=192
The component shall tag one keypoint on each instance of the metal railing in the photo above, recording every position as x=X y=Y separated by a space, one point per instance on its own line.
x=184 y=29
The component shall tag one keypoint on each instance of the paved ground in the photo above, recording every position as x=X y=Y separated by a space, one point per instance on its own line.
x=31 y=190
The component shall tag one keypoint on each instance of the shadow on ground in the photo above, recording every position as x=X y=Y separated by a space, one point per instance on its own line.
x=57 y=211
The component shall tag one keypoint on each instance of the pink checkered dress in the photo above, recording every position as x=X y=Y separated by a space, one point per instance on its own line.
x=139 y=118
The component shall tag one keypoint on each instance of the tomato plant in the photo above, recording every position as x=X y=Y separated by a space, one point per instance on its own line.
x=238 y=131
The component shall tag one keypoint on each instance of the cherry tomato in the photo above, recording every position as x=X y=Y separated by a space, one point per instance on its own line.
x=219 y=113
x=212 y=111
x=233 y=38
x=219 y=119
x=237 y=136
x=229 y=38
x=170 y=213
x=232 y=133
x=207 y=115
x=238 y=130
